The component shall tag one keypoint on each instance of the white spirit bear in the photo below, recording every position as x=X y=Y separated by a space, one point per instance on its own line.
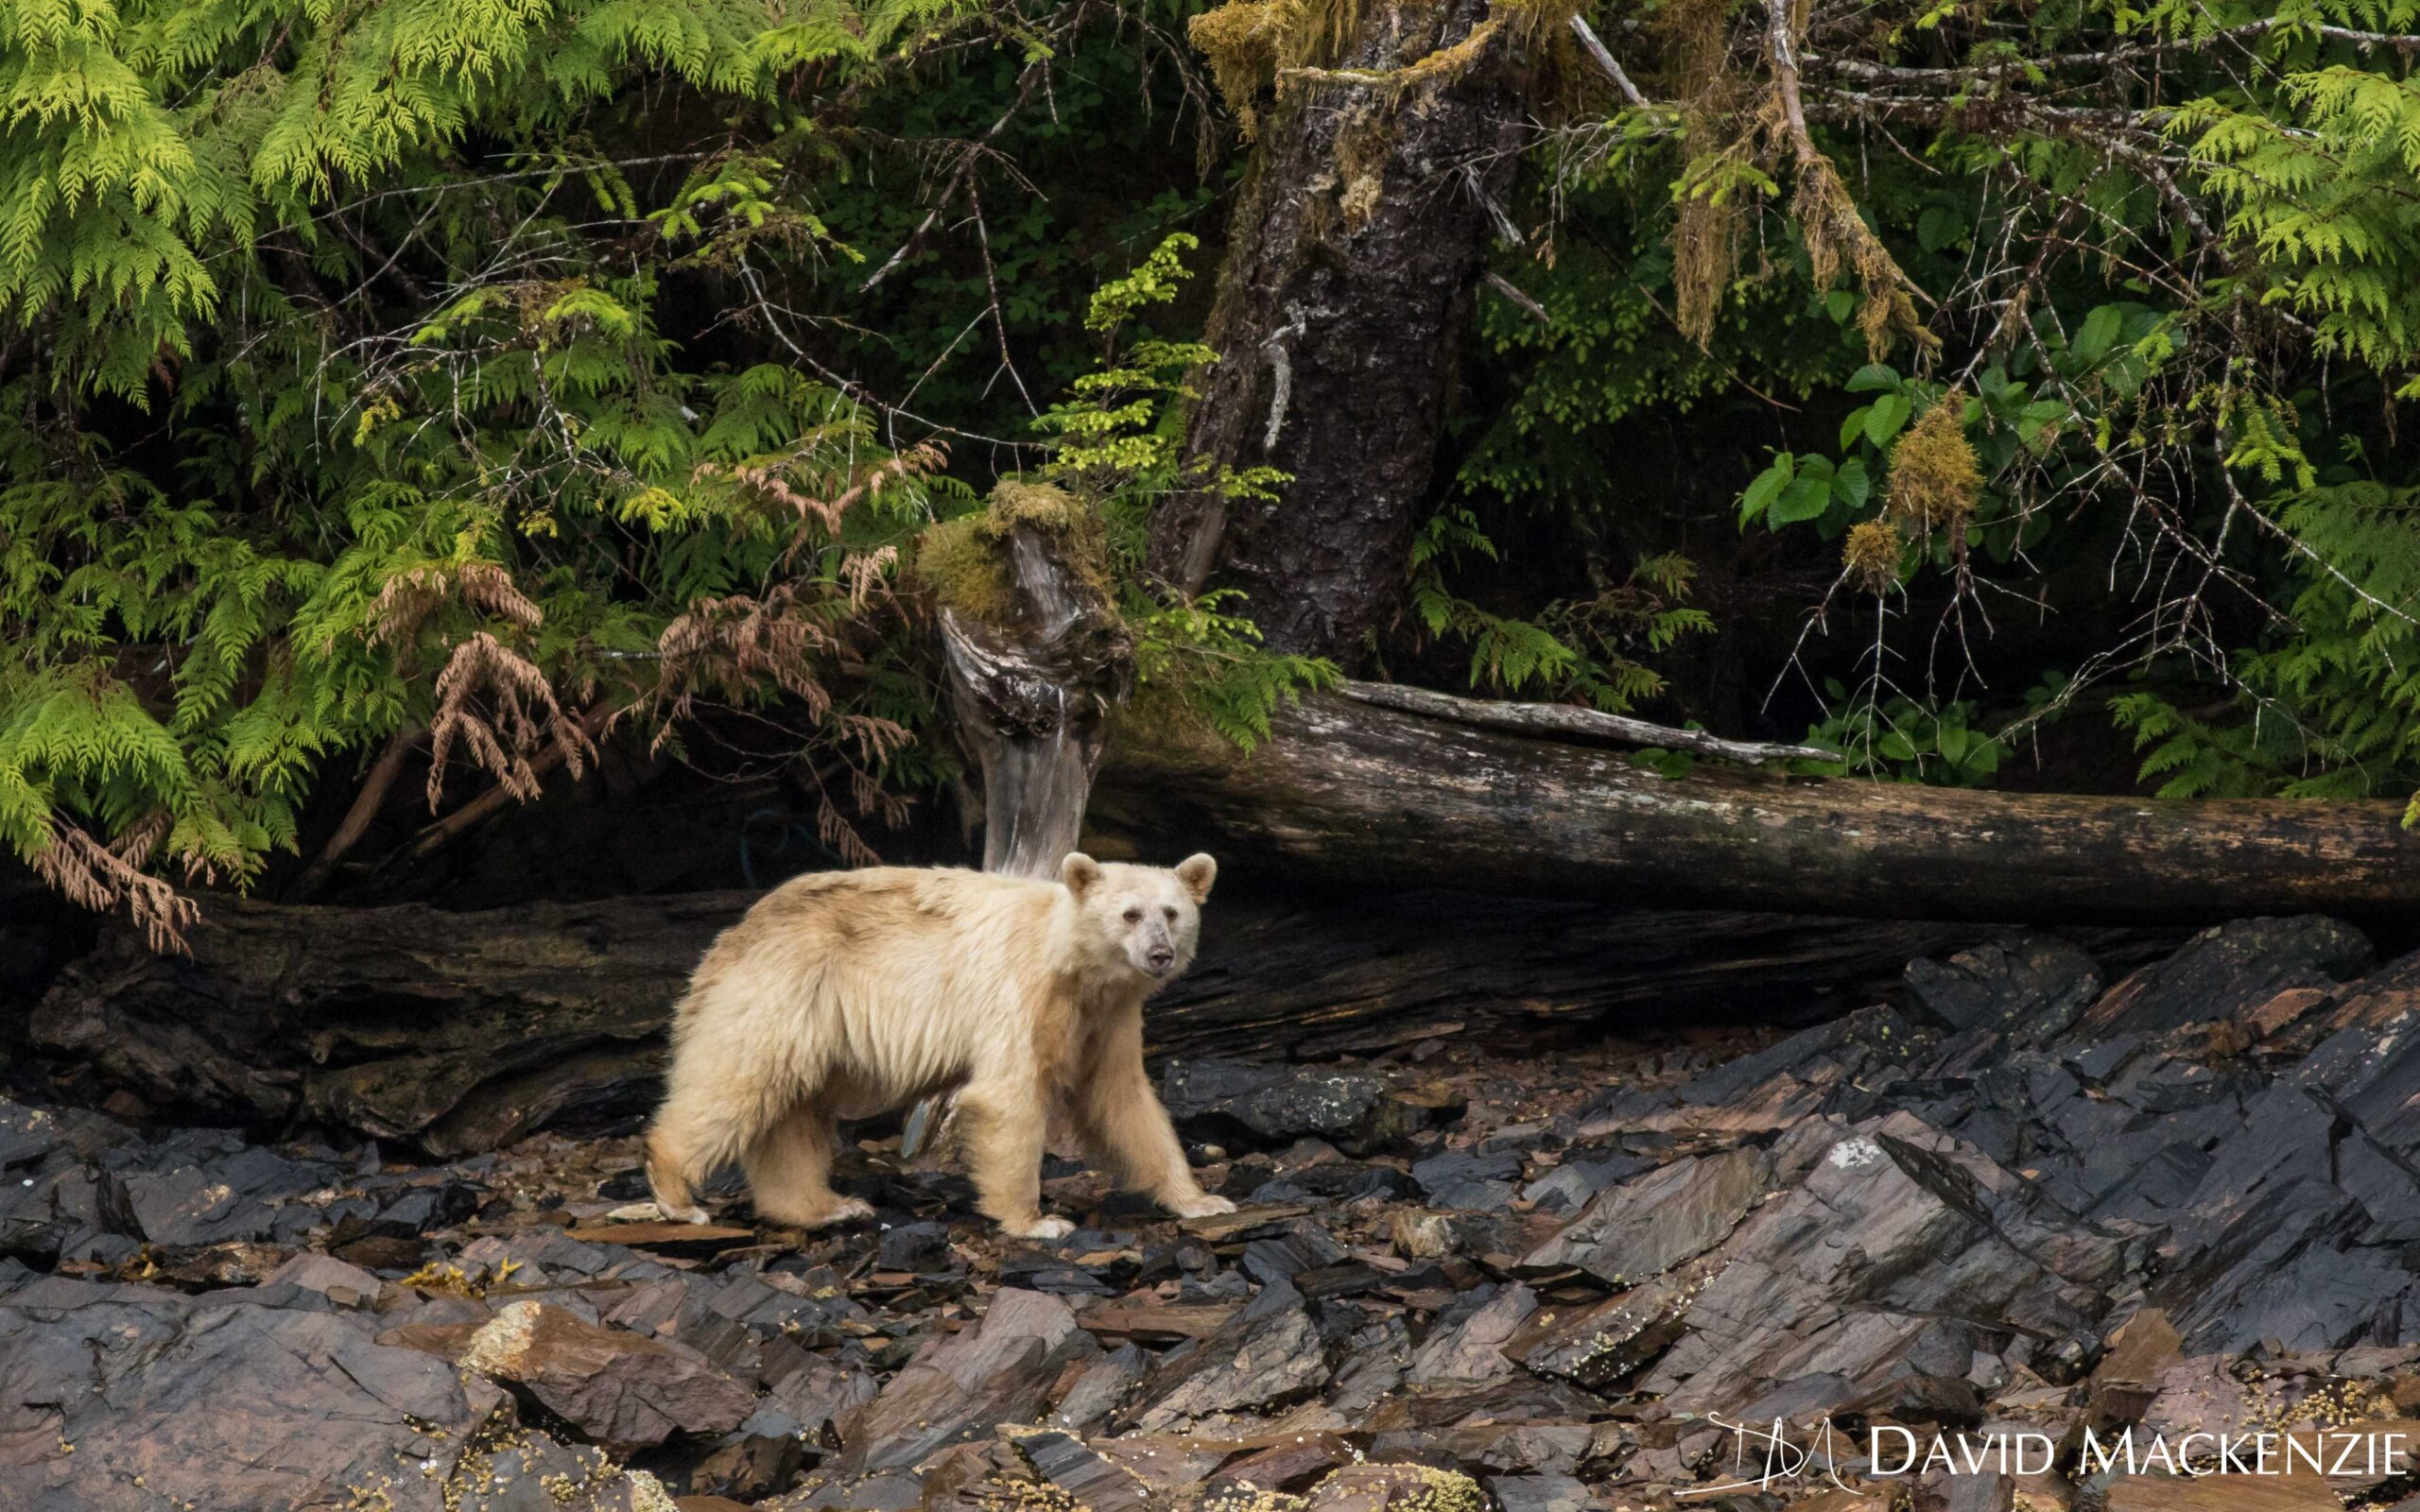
x=847 y=994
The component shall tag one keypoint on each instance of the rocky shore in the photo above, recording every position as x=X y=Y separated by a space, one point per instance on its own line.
x=2016 y=1200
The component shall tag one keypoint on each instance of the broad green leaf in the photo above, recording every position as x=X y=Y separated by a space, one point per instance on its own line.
x=1885 y=417
x=1852 y=484
x=2098 y=334
x=1806 y=498
x=1765 y=487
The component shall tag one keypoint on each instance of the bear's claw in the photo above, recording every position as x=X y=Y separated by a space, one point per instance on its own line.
x=1203 y=1206
x=1040 y=1228
x=843 y=1209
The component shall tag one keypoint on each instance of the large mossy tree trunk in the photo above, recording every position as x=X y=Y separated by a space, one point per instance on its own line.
x=1355 y=243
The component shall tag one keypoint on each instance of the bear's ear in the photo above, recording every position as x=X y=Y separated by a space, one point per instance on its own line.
x=1198 y=871
x=1079 y=871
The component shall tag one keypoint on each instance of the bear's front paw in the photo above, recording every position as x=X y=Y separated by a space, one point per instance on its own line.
x=1039 y=1229
x=848 y=1209
x=1199 y=1205
x=692 y=1213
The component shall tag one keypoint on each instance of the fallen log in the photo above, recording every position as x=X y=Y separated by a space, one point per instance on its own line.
x=1353 y=792
x=461 y=1032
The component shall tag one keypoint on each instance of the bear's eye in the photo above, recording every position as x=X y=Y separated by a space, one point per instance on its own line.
x=1134 y=916
x=1171 y=913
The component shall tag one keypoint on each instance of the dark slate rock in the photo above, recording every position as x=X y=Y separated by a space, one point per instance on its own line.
x=172 y=1404
x=1826 y=1289
x=1268 y=1354
x=2373 y=1077
x=1302 y=1245
x=1038 y=1271
x=1464 y=1178
x=915 y=1247
x=817 y=1394
x=960 y=1385
x=27 y=1134
x=1541 y=1493
x=1584 y=1171
x=884 y=1491
x=1343 y=1180
x=1730 y=1079
x=423 y=1210
x=1238 y=1103
x=1468 y=1340
x=2226 y=972
x=1600 y=1346
x=2287 y=1140
x=2028 y=987
x=2299 y=1292
x=756 y=1459
x=224 y=1197
x=1375 y=1357
x=1103 y=1387
x=1089 y=1480
x=2104 y=1059
x=1655 y=1222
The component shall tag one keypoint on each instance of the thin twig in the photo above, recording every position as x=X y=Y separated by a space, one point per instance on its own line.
x=1596 y=48
x=357 y=818
x=957 y=180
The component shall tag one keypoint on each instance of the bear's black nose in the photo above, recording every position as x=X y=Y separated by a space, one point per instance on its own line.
x=1162 y=959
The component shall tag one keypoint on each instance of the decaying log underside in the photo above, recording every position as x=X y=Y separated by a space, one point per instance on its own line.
x=1352 y=792
x=462 y=1031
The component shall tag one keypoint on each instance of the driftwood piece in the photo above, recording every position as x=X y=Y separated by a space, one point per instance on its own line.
x=1352 y=792
x=1562 y=721
x=463 y=1031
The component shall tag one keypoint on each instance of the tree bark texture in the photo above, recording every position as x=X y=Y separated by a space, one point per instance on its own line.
x=1352 y=792
x=1362 y=226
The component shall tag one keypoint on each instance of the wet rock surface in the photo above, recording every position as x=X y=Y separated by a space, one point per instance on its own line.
x=2026 y=1196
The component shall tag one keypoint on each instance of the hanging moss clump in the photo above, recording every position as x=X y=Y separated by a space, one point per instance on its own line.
x=1935 y=478
x=1246 y=41
x=1871 y=554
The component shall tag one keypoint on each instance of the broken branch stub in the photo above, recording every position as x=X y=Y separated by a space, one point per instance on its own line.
x=1030 y=693
x=1037 y=657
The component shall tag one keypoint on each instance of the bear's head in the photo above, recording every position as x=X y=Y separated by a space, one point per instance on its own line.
x=1140 y=920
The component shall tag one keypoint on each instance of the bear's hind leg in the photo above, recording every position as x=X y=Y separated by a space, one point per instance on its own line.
x=690 y=1138
x=789 y=1171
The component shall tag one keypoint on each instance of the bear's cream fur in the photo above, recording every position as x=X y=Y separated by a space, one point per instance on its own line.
x=846 y=994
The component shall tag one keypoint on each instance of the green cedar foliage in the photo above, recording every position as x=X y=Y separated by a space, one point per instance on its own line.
x=338 y=406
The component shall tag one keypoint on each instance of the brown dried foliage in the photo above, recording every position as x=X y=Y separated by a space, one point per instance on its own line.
x=498 y=704
x=101 y=877
x=483 y=587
